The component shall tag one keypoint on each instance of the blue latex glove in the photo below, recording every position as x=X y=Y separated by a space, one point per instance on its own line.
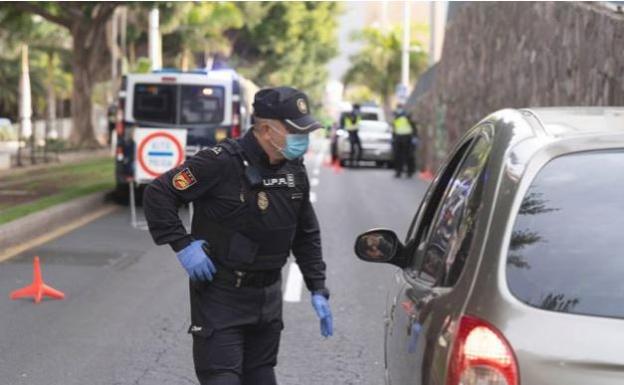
x=321 y=306
x=196 y=262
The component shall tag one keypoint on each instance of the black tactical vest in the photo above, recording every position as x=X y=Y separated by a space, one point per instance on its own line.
x=258 y=234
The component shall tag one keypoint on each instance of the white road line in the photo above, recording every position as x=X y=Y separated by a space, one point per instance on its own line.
x=312 y=196
x=314 y=182
x=294 y=284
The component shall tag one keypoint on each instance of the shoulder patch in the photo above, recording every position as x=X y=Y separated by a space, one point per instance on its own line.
x=217 y=150
x=183 y=179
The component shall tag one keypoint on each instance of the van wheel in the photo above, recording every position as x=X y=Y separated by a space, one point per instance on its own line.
x=121 y=194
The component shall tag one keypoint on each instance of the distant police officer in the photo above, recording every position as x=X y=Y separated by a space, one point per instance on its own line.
x=405 y=138
x=252 y=208
x=352 y=124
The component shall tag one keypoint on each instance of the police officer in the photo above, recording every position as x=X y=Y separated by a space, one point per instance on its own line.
x=352 y=124
x=405 y=138
x=252 y=208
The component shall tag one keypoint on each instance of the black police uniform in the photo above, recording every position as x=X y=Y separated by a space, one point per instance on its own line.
x=252 y=214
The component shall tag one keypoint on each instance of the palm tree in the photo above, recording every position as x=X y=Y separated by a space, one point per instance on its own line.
x=378 y=64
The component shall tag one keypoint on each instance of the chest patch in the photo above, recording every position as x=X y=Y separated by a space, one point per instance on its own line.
x=183 y=179
x=277 y=181
x=263 y=201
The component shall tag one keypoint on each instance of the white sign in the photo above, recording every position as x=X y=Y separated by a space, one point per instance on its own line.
x=401 y=93
x=157 y=151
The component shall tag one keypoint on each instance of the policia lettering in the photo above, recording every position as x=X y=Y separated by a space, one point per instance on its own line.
x=252 y=214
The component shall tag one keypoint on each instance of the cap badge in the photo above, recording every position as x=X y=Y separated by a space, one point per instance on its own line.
x=302 y=106
x=263 y=201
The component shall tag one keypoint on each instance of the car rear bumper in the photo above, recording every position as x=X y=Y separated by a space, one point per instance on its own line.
x=376 y=152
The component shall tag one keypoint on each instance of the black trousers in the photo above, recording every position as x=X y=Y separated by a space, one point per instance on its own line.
x=236 y=333
x=404 y=154
x=354 y=141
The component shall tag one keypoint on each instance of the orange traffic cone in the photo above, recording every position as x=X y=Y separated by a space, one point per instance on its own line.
x=426 y=175
x=38 y=288
x=336 y=166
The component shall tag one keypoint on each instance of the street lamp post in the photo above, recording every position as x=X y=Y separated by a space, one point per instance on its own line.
x=406 y=46
x=154 y=39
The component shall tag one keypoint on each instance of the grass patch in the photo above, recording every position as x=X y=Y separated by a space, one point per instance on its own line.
x=59 y=184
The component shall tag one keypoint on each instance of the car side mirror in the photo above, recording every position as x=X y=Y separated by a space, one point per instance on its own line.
x=378 y=245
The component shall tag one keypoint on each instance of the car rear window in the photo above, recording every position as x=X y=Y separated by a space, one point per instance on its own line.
x=201 y=104
x=369 y=116
x=567 y=246
x=155 y=103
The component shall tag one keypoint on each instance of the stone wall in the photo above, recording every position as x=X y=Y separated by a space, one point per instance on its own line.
x=519 y=54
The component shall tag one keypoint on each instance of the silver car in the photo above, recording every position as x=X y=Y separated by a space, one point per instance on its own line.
x=376 y=139
x=512 y=271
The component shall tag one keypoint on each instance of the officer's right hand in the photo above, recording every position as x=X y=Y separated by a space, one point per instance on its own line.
x=196 y=262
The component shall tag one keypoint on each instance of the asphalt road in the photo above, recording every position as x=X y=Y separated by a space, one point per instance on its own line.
x=126 y=313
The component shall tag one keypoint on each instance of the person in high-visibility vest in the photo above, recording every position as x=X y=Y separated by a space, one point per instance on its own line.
x=405 y=140
x=352 y=124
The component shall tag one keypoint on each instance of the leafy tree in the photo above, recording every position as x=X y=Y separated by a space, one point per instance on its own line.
x=200 y=27
x=86 y=22
x=287 y=43
x=49 y=53
x=378 y=64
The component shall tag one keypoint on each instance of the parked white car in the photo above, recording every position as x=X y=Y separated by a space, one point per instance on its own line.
x=375 y=136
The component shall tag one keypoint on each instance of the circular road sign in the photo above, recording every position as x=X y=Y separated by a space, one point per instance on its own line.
x=159 y=152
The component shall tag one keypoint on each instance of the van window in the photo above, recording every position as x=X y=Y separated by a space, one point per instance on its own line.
x=201 y=104
x=155 y=103
x=565 y=253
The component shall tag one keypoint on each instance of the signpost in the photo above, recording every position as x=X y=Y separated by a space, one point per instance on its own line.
x=157 y=151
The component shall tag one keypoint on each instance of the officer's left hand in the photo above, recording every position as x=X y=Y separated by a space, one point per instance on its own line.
x=321 y=306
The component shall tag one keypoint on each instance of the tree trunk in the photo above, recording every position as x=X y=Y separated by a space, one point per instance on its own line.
x=132 y=54
x=50 y=104
x=184 y=65
x=82 y=134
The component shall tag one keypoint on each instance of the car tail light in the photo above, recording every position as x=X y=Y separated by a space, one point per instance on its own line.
x=481 y=356
x=236 y=128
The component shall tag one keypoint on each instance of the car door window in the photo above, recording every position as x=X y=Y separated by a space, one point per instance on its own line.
x=452 y=230
x=424 y=216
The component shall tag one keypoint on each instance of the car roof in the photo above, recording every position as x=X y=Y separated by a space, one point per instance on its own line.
x=565 y=122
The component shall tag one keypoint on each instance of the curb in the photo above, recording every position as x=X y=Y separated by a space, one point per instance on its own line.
x=37 y=224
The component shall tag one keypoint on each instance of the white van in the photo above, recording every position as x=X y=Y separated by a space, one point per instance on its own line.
x=210 y=105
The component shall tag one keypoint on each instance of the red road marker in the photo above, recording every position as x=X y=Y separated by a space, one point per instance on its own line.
x=38 y=288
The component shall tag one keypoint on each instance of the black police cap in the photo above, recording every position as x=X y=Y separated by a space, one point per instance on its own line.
x=288 y=105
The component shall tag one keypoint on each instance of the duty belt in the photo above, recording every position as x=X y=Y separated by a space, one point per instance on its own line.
x=238 y=278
